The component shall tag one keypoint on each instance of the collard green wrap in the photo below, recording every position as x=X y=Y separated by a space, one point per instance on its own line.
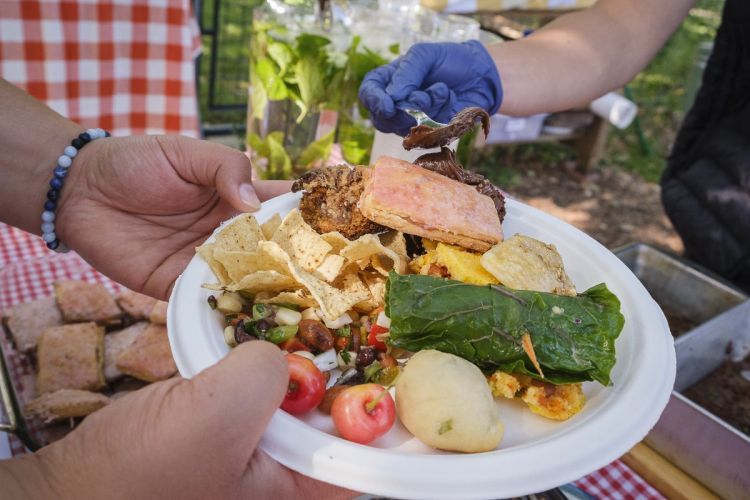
x=573 y=337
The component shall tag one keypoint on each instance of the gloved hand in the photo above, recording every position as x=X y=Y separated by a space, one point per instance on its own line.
x=440 y=79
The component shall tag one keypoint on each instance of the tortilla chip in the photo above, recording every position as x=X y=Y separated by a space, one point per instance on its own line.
x=241 y=234
x=330 y=268
x=332 y=302
x=270 y=226
x=298 y=298
x=365 y=247
x=83 y=301
x=305 y=246
x=395 y=241
x=237 y=264
x=149 y=356
x=337 y=240
x=261 y=281
x=206 y=251
x=351 y=284
x=376 y=286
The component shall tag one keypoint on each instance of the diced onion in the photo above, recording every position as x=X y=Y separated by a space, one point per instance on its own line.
x=310 y=313
x=229 y=336
x=344 y=365
x=305 y=354
x=383 y=320
x=286 y=316
x=229 y=303
x=326 y=361
x=342 y=320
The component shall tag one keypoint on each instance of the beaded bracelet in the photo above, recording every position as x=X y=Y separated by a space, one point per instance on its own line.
x=61 y=170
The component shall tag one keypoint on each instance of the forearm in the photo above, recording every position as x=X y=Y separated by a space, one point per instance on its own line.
x=32 y=137
x=583 y=55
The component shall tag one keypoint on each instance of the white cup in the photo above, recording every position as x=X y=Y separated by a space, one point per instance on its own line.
x=616 y=109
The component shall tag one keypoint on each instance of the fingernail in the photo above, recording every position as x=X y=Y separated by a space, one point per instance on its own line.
x=248 y=197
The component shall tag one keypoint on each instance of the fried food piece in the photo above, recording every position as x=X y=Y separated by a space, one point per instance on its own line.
x=136 y=305
x=557 y=402
x=27 y=321
x=82 y=301
x=66 y=403
x=330 y=198
x=71 y=357
x=523 y=263
x=504 y=385
x=114 y=345
x=149 y=357
x=159 y=313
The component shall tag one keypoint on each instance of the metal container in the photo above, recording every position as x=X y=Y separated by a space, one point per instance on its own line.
x=695 y=440
x=680 y=285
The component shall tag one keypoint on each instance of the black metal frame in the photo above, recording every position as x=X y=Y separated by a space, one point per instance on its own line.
x=212 y=30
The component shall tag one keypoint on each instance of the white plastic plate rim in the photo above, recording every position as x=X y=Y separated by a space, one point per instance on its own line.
x=613 y=421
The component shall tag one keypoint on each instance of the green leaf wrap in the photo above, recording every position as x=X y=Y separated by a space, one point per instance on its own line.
x=573 y=337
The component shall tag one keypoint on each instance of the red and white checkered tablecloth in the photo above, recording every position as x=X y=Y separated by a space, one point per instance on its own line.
x=28 y=271
x=123 y=65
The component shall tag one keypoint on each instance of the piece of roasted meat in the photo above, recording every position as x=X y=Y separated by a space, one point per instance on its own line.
x=330 y=197
x=425 y=137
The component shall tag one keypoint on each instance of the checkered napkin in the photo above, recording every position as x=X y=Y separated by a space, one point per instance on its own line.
x=126 y=66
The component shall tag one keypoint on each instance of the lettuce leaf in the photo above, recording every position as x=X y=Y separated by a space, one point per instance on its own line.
x=573 y=337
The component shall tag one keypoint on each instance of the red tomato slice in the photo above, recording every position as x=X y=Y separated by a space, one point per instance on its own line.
x=307 y=386
x=373 y=340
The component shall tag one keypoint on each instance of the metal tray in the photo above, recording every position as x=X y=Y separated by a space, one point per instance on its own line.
x=680 y=285
x=695 y=440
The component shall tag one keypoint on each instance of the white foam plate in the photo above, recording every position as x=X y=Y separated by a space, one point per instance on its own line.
x=536 y=453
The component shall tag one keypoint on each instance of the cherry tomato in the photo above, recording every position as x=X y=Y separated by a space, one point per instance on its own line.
x=307 y=385
x=372 y=338
x=363 y=413
x=294 y=344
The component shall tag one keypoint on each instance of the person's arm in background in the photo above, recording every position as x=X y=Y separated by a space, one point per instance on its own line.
x=567 y=63
x=583 y=55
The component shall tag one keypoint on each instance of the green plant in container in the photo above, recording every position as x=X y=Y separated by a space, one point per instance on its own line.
x=295 y=78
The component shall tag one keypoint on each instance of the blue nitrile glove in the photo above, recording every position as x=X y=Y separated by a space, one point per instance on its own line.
x=440 y=79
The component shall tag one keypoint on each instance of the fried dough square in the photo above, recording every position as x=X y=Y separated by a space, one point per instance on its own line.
x=71 y=357
x=114 y=345
x=149 y=357
x=66 y=403
x=27 y=321
x=136 y=305
x=82 y=301
x=159 y=313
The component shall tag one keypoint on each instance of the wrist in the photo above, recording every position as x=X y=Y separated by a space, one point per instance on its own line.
x=79 y=150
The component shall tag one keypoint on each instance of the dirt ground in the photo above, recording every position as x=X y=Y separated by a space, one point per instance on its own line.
x=614 y=206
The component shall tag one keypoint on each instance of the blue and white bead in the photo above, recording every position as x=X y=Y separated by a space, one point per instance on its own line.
x=49 y=235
